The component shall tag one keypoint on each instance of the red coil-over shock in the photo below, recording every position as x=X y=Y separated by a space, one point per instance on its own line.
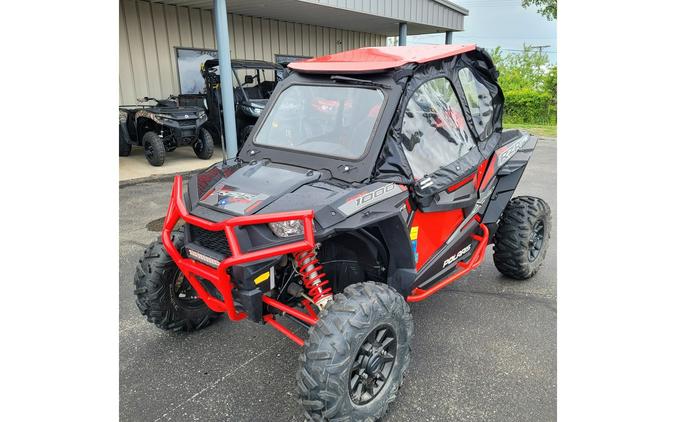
x=312 y=277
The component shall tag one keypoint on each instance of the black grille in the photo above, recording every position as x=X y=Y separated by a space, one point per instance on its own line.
x=186 y=122
x=213 y=240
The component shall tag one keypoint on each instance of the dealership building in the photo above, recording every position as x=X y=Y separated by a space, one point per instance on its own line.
x=154 y=34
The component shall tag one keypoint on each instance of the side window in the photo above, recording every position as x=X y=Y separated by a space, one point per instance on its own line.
x=479 y=98
x=434 y=130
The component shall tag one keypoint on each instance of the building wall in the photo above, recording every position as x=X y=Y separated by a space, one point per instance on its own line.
x=149 y=32
x=422 y=11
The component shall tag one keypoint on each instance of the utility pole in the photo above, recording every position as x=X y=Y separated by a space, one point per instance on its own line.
x=540 y=47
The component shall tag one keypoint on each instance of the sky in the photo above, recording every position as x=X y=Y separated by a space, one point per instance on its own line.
x=503 y=23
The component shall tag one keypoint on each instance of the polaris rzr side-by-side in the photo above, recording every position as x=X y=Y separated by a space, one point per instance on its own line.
x=163 y=127
x=374 y=178
x=250 y=94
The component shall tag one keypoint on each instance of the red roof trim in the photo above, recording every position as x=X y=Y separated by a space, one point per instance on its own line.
x=373 y=59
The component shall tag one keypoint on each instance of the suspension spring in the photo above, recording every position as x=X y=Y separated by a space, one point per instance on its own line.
x=312 y=277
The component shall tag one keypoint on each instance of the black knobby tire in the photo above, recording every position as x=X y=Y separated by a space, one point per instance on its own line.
x=203 y=147
x=522 y=237
x=333 y=355
x=161 y=295
x=125 y=147
x=154 y=149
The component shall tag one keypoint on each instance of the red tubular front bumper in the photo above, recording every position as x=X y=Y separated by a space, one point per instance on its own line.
x=219 y=276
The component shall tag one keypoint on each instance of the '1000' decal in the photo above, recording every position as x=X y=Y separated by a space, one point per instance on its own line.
x=368 y=198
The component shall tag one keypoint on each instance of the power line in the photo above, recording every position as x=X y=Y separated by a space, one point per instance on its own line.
x=501 y=48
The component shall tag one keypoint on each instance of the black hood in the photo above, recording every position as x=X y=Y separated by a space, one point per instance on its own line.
x=246 y=188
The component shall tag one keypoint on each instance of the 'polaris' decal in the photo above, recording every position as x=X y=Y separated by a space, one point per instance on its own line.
x=368 y=198
x=505 y=153
x=454 y=258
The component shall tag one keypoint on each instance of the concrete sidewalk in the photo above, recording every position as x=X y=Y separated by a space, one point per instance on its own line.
x=181 y=160
x=484 y=348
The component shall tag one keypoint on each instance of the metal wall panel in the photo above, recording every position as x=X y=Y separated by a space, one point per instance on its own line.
x=149 y=32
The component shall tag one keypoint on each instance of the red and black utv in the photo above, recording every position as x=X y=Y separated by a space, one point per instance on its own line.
x=374 y=177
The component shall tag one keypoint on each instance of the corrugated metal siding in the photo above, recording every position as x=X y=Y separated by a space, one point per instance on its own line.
x=428 y=12
x=149 y=32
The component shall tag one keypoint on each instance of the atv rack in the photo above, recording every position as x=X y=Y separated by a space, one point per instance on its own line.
x=418 y=295
x=219 y=276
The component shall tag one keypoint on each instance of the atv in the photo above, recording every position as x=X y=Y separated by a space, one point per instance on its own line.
x=163 y=127
x=373 y=179
x=250 y=95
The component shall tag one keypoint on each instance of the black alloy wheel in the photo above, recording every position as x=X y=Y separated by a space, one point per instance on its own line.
x=372 y=365
x=183 y=292
x=536 y=240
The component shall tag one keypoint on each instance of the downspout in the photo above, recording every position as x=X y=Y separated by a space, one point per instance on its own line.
x=402 y=33
x=229 y=142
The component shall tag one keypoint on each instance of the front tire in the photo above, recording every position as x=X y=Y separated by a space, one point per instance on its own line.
x=522 y=237
x=164 y=295
x=154 y=149
x=356 y=355
x=203 y=147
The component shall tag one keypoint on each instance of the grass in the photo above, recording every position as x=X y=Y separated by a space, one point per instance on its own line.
x=538 y=130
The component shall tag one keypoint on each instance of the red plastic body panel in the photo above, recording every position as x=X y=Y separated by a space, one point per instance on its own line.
x=475 y=260
x=433 y=229
x=219 y=276
x=375 y=59
x=489 y=172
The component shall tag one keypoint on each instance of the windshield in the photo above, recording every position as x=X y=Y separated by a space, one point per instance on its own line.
x=329 y=120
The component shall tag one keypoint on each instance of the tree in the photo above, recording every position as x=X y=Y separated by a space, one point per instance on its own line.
x=527 y=69
x=546 y=8
x=529 y=83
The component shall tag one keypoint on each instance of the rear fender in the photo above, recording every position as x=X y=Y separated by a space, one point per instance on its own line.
x=515 y=153
x=510 y=161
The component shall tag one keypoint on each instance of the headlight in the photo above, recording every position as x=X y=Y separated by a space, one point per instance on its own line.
x=287 y=228
x=161 y=118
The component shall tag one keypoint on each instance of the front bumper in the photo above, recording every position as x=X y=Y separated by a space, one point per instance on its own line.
x=219 y=276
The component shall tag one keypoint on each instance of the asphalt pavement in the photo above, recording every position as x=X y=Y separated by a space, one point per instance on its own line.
x=484 y=348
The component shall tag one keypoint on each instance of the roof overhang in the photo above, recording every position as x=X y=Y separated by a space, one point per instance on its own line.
x=423 y=16
x=377 y=59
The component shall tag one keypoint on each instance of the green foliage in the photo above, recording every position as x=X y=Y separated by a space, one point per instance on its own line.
x=546 y=8
x=530 y=85
x=529 y=106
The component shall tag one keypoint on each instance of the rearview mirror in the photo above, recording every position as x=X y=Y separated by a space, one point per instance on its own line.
x=248 y=79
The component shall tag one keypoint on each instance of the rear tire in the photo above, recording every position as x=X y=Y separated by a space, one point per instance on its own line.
x=357 y=334
x=125 y=147
x=522 y=237
x=203 y=147
x=154 y=149
x=161 y=294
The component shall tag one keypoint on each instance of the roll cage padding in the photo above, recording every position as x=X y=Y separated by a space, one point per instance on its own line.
x=392 y=165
